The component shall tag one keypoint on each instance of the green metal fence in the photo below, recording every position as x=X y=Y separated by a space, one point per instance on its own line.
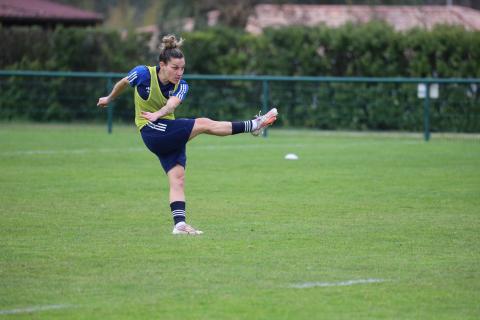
x=354 y=103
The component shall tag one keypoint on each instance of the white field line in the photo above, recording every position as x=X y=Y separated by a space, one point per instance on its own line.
x=335 y=284
x=35 y=309
x=120 y=150
x=66 y=151
x=190 y=146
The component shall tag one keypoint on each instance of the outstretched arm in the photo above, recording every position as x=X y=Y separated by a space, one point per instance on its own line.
x=117 y=89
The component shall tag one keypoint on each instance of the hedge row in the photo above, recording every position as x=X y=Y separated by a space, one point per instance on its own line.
x=373 y=49
x=73 y=49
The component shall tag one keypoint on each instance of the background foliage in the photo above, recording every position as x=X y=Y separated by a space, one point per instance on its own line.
x=373 y=49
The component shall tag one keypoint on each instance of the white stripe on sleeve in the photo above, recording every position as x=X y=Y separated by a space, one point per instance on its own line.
x=132 y=77
x=182 y=90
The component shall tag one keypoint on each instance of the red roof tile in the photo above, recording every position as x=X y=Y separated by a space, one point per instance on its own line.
x=43 y=10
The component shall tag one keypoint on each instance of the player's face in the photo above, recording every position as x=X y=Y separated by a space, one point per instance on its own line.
x=174 y=69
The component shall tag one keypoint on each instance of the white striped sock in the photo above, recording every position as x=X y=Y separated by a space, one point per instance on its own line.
x=176 y=213
x=248 y=125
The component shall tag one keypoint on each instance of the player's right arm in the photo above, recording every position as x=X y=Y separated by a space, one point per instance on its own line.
x=117 y=89
x=134 y=78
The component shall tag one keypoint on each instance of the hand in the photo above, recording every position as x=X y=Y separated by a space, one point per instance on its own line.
x=150 y=116
x=103 y=102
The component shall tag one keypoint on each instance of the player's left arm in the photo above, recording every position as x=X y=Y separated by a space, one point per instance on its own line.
x=172 y=103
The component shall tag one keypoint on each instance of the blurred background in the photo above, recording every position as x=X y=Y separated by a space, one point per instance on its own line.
x=59 y=56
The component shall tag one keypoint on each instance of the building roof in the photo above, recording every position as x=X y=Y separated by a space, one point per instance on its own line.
x=43 y=11
x=400 y=17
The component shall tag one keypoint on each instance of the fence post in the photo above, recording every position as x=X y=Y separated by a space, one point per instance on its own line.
x=110 y=107
x=265 y=102
x=426 y=113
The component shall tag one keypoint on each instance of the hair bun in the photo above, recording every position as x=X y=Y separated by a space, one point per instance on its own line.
x=171 y=42
x=170 y=48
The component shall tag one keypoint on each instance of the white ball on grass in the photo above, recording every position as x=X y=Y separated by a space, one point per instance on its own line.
x=291 y=156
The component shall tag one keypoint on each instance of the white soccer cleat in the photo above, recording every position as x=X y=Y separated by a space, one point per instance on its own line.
x=183 y=228
x=264 y=121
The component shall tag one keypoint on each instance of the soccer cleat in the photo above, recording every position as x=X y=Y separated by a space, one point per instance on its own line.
x=183 y=228
x=264 y=121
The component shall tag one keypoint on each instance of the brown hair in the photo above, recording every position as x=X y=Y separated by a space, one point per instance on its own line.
x=170 y=48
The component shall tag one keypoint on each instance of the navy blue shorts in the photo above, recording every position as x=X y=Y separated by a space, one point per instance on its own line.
x=167 y=140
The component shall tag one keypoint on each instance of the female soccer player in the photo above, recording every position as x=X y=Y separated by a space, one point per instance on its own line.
x=159 y=90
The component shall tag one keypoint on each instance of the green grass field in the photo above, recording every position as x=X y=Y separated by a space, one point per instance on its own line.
x=86 y=227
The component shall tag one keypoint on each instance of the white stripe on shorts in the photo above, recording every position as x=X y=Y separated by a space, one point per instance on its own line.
x=159 y=127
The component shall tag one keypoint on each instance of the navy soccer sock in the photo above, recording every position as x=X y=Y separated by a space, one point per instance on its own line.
x=242 y=126
x=178 y=211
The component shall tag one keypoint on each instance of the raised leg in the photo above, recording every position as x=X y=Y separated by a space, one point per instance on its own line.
x=208 y=126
